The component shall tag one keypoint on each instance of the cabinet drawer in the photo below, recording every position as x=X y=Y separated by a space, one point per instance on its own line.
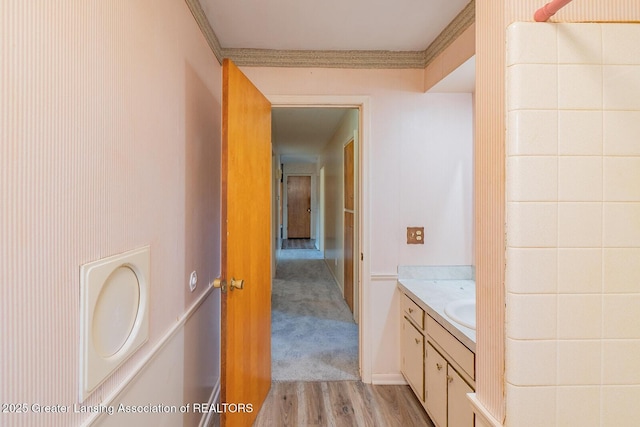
x=454 y=348
x=413 y=310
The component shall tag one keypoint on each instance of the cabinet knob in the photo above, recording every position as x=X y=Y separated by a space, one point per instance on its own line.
x=410 y=310
x=439 y=366
x=449 y=379
x=417 y=340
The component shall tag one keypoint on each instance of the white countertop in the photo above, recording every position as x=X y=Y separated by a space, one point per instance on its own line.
x=433 y=296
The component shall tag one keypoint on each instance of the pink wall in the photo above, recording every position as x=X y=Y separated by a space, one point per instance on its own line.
x=110 y=136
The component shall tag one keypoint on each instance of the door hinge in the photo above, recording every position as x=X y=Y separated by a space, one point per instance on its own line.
x=361 y=256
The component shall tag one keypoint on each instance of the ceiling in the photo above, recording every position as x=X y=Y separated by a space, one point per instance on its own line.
x=398 y=25
x=300 y=134
x=343 y=33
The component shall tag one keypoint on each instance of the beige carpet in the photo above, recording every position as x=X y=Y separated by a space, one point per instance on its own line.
x=314 y=337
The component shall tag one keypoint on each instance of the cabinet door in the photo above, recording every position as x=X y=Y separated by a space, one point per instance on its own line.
x=436 y=385
x=460 y=412
x=413 y=357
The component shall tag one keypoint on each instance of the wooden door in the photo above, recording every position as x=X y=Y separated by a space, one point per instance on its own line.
x=348 y=259
x=298 y=207
x=246 y=248
x=349 y=235
x=349 y=189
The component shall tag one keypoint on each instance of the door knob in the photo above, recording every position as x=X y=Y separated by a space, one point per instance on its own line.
x=220 y=283
x=236 y=284
x=309 y=210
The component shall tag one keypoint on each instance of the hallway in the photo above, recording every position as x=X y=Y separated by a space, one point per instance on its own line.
x=314 y=337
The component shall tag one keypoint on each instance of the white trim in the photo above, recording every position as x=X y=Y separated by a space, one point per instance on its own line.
x=482 y=412
x=384 y=278
x=142 y=364
x=388 y=379
x=363 y=103
x=214 y=398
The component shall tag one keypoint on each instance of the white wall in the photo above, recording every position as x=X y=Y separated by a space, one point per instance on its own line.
x=110 y=136
x=432 y=134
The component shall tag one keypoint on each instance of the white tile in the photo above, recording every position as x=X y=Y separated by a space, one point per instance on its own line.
x=531 y=43
x=530 y=362
x=522 y=309
x=584 y=414
x=532 y=87
x=579 y=362
x=532 y=179
x=579 y=271
x=622 y=225
x=621 y=43
x=580 y=87
x=620 y=362
x=531 y=270
x=580 y=179
x=620 y=406
x=622 y=179
x=532 y=225
x=532 y=132
x=580 y=133
x=621 y=87
x=579 y=44
x=580 y=225
x=531 y=406
x=579 y=316
x=621 y=133
x=621 y=316
x=621 y=270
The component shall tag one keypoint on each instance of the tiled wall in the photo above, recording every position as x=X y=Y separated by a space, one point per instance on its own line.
x=573 y=224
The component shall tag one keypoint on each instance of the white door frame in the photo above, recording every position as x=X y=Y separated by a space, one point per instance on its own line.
x=363 y=238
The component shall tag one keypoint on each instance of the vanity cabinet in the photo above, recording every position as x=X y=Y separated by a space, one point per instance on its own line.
x=438 y=367
x=436 y=373
x=412 y=357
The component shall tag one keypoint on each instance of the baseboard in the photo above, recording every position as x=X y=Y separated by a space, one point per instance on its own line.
x=335 y=279
x=207 y=419
x=388 y=379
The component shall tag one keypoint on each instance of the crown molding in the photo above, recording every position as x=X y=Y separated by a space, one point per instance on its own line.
x=325 y=58
x=451 y=32
x=205 y=26
x=335 y=58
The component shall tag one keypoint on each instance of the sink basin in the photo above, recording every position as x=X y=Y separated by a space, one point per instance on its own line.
x=462 y=311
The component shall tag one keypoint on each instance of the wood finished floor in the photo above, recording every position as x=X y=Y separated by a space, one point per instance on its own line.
x=341 y=404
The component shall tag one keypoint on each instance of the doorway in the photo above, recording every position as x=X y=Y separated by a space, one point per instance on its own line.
x=328 y=206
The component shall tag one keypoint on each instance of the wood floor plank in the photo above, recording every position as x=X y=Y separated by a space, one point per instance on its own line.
x=400 y=408
x=312 y=396
x=364 y=405
x=341 y=403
